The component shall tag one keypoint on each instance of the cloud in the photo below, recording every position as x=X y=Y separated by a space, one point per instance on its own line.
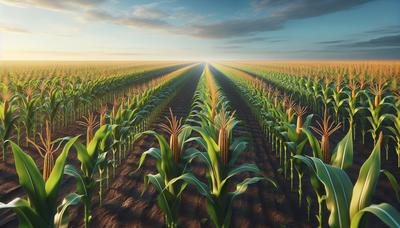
x=279 y=12
x=393 y=29
x=259 y=5
x=379 y=42
x=330 y=42
x=12 y=29
x=132 y=21
x=275 y=14
x=151 y=10
x=234 y=28
x=254 y=40
x=384 y=41
x=54 y=4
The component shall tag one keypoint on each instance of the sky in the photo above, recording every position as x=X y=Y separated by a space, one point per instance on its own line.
x=199 y=29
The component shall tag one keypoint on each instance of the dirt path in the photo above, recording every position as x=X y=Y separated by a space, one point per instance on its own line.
x=262 y=205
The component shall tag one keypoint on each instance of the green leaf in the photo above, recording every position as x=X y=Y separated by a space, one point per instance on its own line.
x=237 y=148
x=338 y=192
x=166 y=167
x=84 y=158
x=385 y=212
x=163 y=199
x=189 y=178
x=30 y=179
x=53 y=182
x=192 y=153
x=27 y=216
x=393 y=182
x=61 y=219
x=343 y=154
x=240 y=169
x=154 y=152
x=314 y=143
x=367 y=180
x=81 y=187
x=242 y=187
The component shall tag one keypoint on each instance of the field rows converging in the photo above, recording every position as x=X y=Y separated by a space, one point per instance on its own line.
x=187 y=144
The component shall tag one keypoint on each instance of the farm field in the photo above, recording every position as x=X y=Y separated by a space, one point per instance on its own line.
x=199 y=114
x=194 y=144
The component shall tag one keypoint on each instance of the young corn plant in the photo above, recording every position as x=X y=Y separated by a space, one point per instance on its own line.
x=296 y=141
x=41 y=209
x=379 y=108
x=172 y=163
x=395 y=129
x=28 y=108
x=220 y=161
x=325 y=129
x=341 y=157
x=8 y=118
x=91 y=156
x=348 y=204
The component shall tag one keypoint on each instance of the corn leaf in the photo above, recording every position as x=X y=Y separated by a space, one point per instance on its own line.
x=27 y=216
x=314 y=143
x=393 y=182
x=342 y=156
x=154 y=152
x=338 y=192
x=53 y=183
x=30 y=179
x=367 y=180
x=189 y=178
x=61 y=219
x=385 y=212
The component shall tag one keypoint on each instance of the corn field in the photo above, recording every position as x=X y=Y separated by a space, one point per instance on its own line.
x=193 y=144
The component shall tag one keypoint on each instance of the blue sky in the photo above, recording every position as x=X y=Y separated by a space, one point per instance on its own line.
x=199 y=29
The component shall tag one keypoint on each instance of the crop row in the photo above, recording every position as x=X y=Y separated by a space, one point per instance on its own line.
x=25 y=106
x=290 y=132
x=104 y=149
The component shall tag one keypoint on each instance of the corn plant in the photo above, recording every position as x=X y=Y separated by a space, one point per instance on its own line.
x=28 y=108
x=172 y=163
x=215 y=126
x=295 y=142
x=220 y=160
x=378 y=109
x=8 y=118
x=396 y=133
x=91 y=157
x=347 y=203
x=46 y=150
x=42 y=208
